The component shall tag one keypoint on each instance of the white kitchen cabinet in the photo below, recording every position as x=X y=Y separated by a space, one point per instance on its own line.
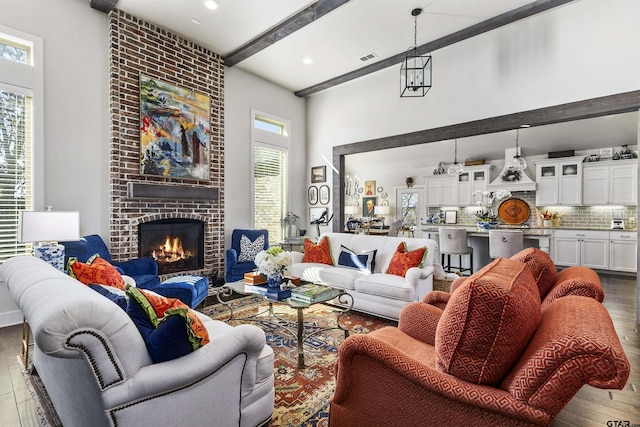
x=447 y=190
x=623 y=250
x=559 y=181
x=610 y=183
x=581 y=247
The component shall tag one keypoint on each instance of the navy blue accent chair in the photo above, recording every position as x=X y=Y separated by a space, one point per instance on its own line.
x=235 y=270
x=143 y=270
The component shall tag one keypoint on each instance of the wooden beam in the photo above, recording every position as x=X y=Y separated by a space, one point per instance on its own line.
x=474 y=30
x=595 y=107
x=105 y=6
x=282 y=30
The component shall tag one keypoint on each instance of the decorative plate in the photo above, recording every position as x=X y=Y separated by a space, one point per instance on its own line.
x=514 y=211
x=360 y=190
x=384 y=195
x=356 y=196
x=356 y=204
x=380 y=189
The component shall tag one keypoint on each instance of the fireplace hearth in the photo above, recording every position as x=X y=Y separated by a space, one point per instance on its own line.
x=176 y=244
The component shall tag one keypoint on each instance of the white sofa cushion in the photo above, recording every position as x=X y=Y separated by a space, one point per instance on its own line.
x=341 y=277
x=386 y=285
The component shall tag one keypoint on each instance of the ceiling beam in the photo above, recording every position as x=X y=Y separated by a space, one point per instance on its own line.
x=472 y=31
x=105 y=6
x=282 y=30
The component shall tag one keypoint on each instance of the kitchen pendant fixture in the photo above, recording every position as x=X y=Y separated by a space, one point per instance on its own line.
x=455 y=168
x=415 y=72
x=518 y=162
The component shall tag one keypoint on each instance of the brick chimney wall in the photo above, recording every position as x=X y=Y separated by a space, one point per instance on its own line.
x=138 y=47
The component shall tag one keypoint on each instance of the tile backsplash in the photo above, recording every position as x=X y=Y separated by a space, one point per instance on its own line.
x=578 y=217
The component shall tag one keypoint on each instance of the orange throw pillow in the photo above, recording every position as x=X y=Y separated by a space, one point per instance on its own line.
x=97 y=271
x=403 y=260
x=320 y=253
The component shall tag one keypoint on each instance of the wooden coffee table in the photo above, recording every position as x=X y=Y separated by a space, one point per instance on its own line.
x=302 y=332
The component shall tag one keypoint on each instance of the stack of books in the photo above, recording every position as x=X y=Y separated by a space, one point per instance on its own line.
x=311 y=293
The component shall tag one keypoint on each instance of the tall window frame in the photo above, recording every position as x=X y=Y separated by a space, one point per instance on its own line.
x=21 y=134
x=271 y=142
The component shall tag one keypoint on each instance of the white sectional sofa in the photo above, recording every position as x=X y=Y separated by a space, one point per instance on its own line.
x=376 y=293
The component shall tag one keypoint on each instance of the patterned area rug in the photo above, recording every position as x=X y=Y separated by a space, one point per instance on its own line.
x=302 y=395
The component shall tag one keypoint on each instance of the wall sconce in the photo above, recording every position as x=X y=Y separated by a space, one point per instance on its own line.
x=47 y=228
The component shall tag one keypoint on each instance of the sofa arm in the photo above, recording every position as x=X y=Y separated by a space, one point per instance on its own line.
x=575 y=344
x=231 y=258
x=298 y=257
x=456 y=283
x=138 y=266
x=438 y=299
x=420 y=320
x=576 y=280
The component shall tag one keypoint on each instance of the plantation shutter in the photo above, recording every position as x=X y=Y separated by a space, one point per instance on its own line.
x=270 y=189
x=16 y=173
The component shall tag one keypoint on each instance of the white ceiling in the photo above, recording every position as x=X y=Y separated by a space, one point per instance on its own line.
x=334 y=42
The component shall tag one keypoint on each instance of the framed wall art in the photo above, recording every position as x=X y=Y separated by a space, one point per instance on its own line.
x=316 y=213
x=318 y=174
x=175 y=130
x=312 y=195
x=368 y=205
x=324 y=195
x=369 y=188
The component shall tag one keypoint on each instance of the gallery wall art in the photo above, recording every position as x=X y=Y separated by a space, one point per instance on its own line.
x=174 y=131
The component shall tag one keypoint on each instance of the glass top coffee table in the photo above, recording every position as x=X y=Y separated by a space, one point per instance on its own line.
x=302 y=332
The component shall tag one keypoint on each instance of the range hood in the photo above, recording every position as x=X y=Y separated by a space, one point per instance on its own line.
x=523 y=184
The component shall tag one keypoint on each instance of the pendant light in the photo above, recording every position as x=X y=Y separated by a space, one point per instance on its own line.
x=415 y=72
x=455 y=168
x=518 y=162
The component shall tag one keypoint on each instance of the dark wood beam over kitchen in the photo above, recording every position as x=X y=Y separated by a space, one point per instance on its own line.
x=105 y=6
x=474 y=30
x=282 y=30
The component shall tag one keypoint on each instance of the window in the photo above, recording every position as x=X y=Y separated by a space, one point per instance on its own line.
x=270 y=173
x=16 y=139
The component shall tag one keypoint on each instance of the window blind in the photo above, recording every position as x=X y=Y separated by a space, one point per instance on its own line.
x=270 y=189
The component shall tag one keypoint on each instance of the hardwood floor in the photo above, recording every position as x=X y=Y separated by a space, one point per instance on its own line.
x=590 y=407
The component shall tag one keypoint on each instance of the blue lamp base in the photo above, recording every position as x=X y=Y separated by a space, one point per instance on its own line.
x=51 y=253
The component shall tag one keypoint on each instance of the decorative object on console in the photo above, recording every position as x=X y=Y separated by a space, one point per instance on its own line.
x=48 y=228
x=514 y=211
x=183 y=115
x=487 y=218
x=318 y=174
x=415 y=72
x=291 y=225
x=455 y=168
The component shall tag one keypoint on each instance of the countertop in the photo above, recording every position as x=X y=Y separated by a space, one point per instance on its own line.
x=531 y=231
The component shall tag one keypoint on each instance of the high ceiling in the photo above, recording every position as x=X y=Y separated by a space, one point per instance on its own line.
x=334 y=42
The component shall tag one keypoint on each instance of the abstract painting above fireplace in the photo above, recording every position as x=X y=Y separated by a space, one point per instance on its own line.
x=176 y=244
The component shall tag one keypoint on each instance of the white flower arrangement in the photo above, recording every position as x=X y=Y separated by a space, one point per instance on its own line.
x=274 y=261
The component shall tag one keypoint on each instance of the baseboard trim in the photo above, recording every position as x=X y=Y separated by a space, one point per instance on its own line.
x=10 y=318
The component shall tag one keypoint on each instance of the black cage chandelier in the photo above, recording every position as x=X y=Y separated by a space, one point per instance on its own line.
x=415 y=73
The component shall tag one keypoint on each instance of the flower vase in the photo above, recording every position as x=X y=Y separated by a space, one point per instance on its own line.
x=274 y=282
x=555 y=222
x=546 y=223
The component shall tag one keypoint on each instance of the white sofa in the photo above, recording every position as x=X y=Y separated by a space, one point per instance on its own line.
x=97 y=371
x=378 y=293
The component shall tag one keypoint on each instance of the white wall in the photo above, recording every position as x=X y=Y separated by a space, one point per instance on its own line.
x=244 y=91
x=581 y=50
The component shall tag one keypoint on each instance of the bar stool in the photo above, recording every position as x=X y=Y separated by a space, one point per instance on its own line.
x=505 y=243
x=453 y=241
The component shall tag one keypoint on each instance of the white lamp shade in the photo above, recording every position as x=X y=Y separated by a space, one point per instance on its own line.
x=350 y=210
x=35 y=226
x=381 y=210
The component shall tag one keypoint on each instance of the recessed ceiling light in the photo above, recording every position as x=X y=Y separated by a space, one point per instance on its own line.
x=211 y=4
x=307 y=61
x=195 y=21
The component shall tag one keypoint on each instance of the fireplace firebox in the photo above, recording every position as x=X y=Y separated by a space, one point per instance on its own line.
x=176 y=244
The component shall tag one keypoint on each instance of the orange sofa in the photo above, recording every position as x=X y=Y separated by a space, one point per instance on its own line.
x=495 y=355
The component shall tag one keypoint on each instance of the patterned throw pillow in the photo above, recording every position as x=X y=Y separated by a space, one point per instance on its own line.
x=97 y=271
x=403 y=260
x=249 y=249
x=364 y=261
x=320 y=253
x=169 y=328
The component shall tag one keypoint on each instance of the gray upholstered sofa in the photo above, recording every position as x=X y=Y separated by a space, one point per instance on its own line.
x=378 y=293
x=97 y=371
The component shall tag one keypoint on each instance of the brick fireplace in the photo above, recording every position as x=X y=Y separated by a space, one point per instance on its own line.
x=138 y=47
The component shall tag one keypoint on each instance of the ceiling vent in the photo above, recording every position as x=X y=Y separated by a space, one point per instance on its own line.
x=368 y=57
x=505 y=178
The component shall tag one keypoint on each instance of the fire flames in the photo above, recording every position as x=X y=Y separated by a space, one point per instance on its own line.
x=171 y=251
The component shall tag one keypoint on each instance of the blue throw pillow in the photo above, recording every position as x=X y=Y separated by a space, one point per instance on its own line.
x=364 y=261
x=114 y=294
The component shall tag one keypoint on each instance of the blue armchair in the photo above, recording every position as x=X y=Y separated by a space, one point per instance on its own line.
x=143 y=270
x=239 y=259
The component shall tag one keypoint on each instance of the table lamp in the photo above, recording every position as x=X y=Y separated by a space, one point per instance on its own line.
x=46 y=228
x=381 y=211
x=350 y=210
